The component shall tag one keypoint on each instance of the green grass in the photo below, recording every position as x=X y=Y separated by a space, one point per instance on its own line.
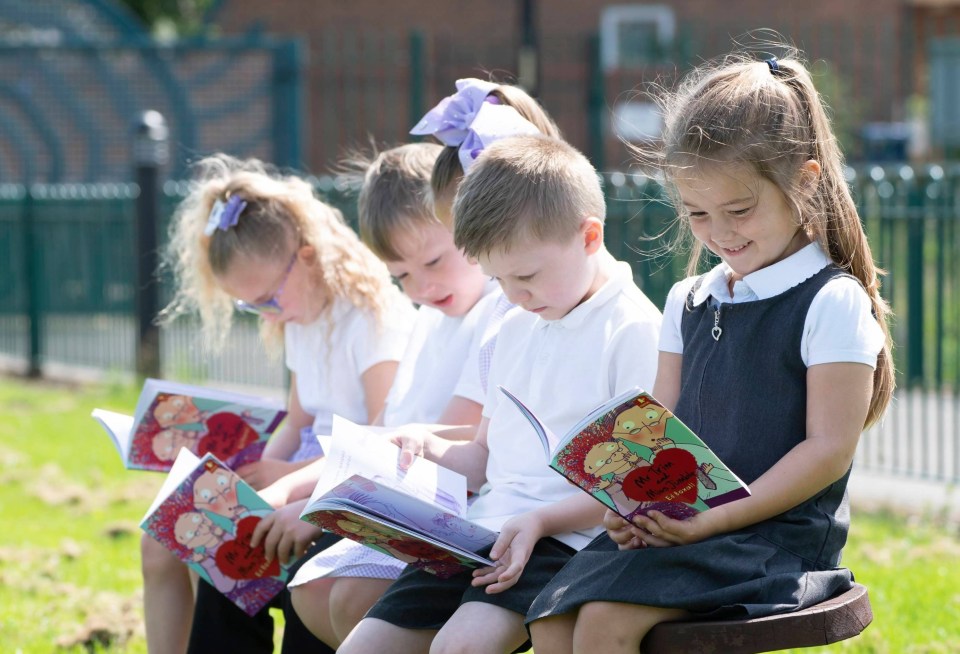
x=69 y=562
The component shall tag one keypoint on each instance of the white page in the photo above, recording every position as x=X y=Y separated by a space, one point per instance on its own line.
x=185 y=463
x=356 y=450
x=118 y=426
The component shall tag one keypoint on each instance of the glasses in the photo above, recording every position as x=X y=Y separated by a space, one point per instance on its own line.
x=272 y=306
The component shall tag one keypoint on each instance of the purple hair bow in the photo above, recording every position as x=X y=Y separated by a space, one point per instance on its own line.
x=472 y=119
x=224 y=215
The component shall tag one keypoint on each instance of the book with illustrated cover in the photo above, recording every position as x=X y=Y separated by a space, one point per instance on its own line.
x=415 y=515
x=169 y=416
x=206 y=514
x=635 y=456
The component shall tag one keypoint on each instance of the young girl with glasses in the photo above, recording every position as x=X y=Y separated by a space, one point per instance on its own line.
x=248 y=238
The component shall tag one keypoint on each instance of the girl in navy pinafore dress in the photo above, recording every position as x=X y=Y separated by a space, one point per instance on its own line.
x=777 y=358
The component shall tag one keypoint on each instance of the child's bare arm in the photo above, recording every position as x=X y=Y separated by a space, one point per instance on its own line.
x=838 y=395
x=286 y=440
x=468 y=457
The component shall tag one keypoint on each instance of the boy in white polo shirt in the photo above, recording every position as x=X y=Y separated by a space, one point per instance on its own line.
x=531 y=212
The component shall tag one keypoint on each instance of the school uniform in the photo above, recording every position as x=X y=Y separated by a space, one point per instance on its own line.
x=442 y=360
x=328 y=357
x=743 y=390
x=561 y=369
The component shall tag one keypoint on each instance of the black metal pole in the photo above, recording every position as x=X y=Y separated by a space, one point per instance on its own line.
x=528 y=59
x=150 y=154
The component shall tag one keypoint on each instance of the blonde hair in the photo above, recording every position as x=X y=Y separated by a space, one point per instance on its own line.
x=447 y=170
x=282 y=215
x=525 y=187
x=394 y=193
x=768 y=117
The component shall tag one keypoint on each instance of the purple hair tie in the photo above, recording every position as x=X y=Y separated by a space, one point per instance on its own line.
x=224 y=215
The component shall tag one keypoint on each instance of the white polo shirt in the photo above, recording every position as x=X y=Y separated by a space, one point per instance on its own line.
x=440 y=362
x=330 y=355
x=561 y=369
x=839 y=326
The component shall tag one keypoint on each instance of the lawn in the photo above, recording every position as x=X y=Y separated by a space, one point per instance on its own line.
x=69 y=571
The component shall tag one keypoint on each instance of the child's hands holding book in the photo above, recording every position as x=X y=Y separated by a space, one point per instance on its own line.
x=657 y=530
x=511 y=552
x=284 y=534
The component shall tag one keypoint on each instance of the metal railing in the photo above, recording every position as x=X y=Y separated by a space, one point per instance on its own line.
x=67 y=291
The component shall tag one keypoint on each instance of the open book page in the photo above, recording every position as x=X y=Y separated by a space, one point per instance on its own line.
x=118 y=426
x=414 y=515
x=205 y=515
x=356 y=450
x=635 y=456
x=548 y=439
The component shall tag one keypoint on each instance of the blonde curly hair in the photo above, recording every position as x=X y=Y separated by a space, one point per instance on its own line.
x=282 y=214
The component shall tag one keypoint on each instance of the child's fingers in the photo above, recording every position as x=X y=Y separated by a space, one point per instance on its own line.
x=488 y=576
x=262 y=528
x=503 y=542
x=613 y=521
x=410 y=449
x=507 y=579
x=271 y=541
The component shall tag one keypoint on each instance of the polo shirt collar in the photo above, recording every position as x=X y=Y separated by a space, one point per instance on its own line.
x=767 y=282
x=620 y=276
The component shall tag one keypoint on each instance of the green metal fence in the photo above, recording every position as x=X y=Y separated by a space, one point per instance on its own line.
x=67 y=291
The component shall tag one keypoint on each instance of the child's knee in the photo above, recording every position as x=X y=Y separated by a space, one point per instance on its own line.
x=350 y=599
x=156 y=561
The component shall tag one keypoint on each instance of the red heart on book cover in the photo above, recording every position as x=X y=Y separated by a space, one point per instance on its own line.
x=671 y=477
x=237 y=560
x=227 y=434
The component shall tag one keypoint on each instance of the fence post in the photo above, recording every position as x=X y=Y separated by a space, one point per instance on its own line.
x=34 y=287
x=596 y=103
x=150 y=153
x=417 y=77
x=288 y=100
x=915 y=273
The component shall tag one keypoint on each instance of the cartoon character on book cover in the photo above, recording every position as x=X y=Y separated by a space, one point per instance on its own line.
x=233 y=433
x=207 y=522
x=639 y=457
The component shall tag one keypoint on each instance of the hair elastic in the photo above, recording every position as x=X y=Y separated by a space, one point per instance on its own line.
x=224 y=215
x=773 y=65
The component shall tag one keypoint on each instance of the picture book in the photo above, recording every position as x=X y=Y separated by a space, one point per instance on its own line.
x=635 y=456
x=415 y=515
x=205 y=514
x=169 y=416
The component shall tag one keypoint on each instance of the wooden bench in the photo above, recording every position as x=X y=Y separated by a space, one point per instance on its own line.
x=840 y=617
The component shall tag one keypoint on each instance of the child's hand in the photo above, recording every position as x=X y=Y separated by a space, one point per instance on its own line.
x=284 y=534
x=621 y=532
x=264 y=472
x=657 y=530
x=410 y=441
x=511 y=553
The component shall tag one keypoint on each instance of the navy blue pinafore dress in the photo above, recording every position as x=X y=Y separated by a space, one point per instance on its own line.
x=745 y=394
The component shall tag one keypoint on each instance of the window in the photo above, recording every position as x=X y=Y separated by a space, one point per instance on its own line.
x=635 y=35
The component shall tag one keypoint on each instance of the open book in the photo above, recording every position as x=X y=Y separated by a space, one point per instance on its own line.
x=232 y=426
x=415 y=515
x=205 y=514
x=634 y=455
